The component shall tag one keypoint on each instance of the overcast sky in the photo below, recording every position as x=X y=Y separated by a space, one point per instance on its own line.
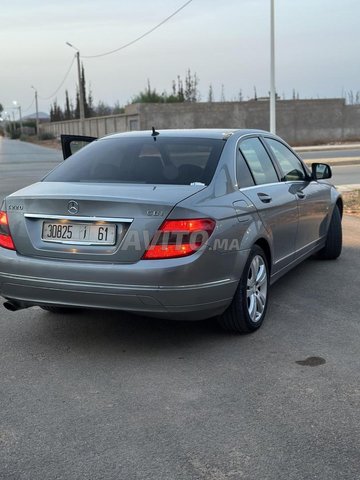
x=224 y=42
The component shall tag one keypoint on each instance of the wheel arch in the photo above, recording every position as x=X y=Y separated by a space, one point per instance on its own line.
x=340 y=205
x=264 y=245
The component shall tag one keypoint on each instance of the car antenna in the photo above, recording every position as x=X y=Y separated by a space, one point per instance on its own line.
x=154 y=133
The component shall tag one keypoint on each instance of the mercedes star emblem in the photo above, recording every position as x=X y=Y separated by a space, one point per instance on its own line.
x=73 y=207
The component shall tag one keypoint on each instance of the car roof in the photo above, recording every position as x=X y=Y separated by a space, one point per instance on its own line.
x=220 y=133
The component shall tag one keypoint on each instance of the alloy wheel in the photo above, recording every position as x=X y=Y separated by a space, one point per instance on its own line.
x=256 y=288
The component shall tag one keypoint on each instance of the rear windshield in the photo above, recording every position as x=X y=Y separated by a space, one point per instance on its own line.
x=167 y=160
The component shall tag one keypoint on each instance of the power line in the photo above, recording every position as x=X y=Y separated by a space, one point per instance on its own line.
x=141 y=36
x=28 y=108
x=114 y=51
x=62 y=83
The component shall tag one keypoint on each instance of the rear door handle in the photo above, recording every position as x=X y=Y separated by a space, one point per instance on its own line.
x=300 y=194
x=264 y=197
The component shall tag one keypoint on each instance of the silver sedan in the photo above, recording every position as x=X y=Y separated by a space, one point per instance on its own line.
x=180 y=224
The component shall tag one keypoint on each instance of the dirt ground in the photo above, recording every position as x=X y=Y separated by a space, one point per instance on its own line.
x=352 y=202
x=54 y=143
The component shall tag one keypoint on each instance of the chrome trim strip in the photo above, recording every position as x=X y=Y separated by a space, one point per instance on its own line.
x=199 y=285
x=275 y=183
x=310 y=244
x=264 y=185
x=76 y=283
x=85 y=244
x=86 y=219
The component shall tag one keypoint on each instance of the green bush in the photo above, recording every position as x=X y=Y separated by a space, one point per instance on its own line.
x=15 y=135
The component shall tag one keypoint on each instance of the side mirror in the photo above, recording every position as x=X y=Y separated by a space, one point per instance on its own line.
x=321 y=171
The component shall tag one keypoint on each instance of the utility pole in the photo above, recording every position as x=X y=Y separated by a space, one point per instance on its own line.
x=37 y=110
x=13 y=128
x=272 y=70
x=81 y=91
x=81 y=94
x=21 y=124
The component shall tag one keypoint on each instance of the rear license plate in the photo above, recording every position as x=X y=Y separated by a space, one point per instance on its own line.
x=79 y=233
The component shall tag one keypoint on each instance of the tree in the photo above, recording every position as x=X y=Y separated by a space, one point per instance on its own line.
x=148 y=95
x=56 y=114
x=178 y=93
x=118 y=108
x=1 y=108
x=88 y=101
x=90 y=104
x=77 y=104
x=180 y=89
x=83 y=86
x=102 y=109
x=210 y=94
x=222 y=96
x=353 y=98
x=68 y=114
x=255 y=93
x=191 y=92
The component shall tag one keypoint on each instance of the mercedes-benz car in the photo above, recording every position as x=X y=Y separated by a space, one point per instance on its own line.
x=180 y=224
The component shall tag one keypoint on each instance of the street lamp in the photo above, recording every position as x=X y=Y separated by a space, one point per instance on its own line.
x=15 y=103
x=13 y=125
x=37 y=110
x=7 y=124
x=272 y=70
x=81 y=91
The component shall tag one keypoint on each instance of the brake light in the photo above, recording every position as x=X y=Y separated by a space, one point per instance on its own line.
x=179 y=238
x=5 y=237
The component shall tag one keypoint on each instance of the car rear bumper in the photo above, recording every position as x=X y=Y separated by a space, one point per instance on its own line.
x=156 y=288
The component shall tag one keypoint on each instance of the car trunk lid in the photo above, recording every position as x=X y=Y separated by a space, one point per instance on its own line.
x=132 y=214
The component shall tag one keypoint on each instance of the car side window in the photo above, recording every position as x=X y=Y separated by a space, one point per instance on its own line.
x=258 y=161
x=290 y=165
x=243 y=174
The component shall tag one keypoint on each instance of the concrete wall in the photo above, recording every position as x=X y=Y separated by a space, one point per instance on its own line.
x=299 y=122
x=351 y=122
x=97 y=126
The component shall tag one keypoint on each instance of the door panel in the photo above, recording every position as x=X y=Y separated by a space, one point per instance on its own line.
x=72 y=143
x=314 y=201
x=276 y=203
x=278 y=210
x=313 y=197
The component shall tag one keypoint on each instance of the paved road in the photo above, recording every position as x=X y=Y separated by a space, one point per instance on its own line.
x=105 y=395
x=23 y=163
x=346 y=175
x=350 y=153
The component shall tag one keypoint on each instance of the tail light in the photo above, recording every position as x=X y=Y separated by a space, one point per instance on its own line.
x=179 y=238
x=5 y=237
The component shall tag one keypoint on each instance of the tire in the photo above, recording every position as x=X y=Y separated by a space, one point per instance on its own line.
x=333 y=245
x=59 y=309
x=247 y=310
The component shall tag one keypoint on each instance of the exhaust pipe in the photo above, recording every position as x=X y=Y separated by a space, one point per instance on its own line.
x=13 y=306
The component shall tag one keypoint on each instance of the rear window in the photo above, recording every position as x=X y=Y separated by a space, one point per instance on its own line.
x=174 y=161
